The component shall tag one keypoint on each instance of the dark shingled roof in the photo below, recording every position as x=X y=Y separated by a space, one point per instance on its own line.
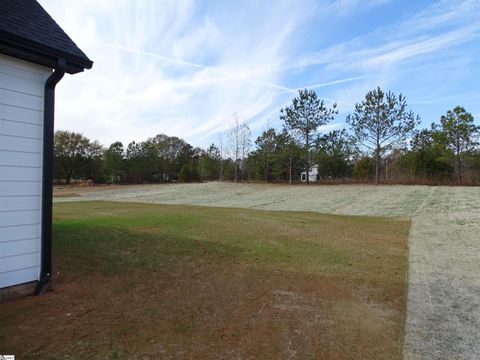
x=28 y=32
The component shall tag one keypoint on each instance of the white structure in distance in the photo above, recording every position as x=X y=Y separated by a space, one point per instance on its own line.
x=312 y=174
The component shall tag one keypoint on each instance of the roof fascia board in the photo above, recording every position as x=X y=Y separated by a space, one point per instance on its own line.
x=49 y=54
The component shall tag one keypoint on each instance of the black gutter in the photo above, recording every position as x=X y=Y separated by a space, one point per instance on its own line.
x=47 y=192
x=40 y=56
x=50 y=54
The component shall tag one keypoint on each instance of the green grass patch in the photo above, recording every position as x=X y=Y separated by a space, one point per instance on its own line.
x=115 y=237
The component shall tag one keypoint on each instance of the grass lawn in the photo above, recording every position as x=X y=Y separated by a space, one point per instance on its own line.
x=163 y=281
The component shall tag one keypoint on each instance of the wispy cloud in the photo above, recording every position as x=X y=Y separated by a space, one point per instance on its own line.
x=421 y=47
x=332 y=82
x=428 y=54
x=157 y=56
x=343 y=8
x=169 y=67
x=419 y=35
x=183 y=67
x=146 y=81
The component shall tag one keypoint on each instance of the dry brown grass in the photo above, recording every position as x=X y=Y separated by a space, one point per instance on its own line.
x=150 y=281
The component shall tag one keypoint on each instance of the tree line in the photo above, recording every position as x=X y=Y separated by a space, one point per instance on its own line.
x=382 y=143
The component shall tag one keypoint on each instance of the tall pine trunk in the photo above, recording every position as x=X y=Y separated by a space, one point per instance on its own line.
x=267 y=171
x=236 y=170
x=221 y=169
x=308 y=162
x=69 y=177
x=459 y=162
x=290 y=169
x=377 y=159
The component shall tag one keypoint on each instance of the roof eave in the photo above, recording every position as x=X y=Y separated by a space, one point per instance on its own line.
x=41 y=54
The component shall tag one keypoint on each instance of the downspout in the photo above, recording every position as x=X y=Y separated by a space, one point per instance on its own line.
x=47 y=178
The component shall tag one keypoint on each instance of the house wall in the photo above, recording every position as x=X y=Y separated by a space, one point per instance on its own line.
x=21 y=142
x=312 y=175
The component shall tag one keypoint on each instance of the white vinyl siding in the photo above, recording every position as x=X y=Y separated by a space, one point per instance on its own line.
x=21 y=143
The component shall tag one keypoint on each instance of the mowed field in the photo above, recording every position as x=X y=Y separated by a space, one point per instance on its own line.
x=443 y=304
x=344 y=200
x=183 y=282
x=222 y=280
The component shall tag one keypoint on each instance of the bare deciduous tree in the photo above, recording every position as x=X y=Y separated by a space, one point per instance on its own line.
x=234 y=143
x=239 y=143
x=221 y=153
x=245 y=145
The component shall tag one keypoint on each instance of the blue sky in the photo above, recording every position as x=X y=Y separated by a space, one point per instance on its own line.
x=184 y=67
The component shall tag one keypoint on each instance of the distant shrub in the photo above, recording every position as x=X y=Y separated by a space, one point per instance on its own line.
x=364 y=168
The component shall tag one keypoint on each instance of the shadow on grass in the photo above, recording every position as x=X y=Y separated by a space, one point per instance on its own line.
x=113 y=249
